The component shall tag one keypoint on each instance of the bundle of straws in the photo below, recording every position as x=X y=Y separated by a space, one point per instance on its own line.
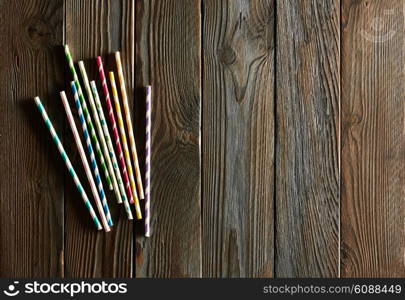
x=119 y=164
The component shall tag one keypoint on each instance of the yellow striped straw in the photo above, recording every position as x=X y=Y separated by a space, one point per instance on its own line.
x=125 y=144
x=129 y=124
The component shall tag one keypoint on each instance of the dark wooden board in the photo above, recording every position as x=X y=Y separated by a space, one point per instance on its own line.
x=99 y=28
x=238 y=138
x=373 y=139
x=249 y=178
x=31 y=183
x=168 y=57
x=307 y=138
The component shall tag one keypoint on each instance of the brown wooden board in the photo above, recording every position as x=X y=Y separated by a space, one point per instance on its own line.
x=307 y=138
x=98 y=28
x=249 y=177
x=31 y=183
x=238 y=138
x=168 y=34
x=373 y=139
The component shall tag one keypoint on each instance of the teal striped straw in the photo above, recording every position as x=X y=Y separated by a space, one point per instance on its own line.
x=67 y=162
x=91 y=154
x=88 y=118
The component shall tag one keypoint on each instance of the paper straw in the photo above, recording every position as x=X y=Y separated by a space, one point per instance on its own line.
x=100 y=131
x=91 y=154
x=129 y=124
x=124 y=142
x=84 y=160
x=111 y=149
x=115 y=131
x=67 y=162
x=88 y=117
x=148 y=149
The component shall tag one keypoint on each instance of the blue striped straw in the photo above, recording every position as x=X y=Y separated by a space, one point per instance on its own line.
x=148 y=146
x=67 y=162
x=91 y=154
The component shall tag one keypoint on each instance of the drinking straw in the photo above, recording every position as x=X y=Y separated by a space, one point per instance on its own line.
x=148 y=148
x=129 y=124
x=124 y=142
x=91 y=153
x=67 y=162
x=111 y=148
x=88 y=117
x=99 y=131
x=115 y=132
x=84 y=160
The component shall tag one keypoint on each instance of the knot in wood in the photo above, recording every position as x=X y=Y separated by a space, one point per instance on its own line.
x=39 y=33
x=227 y=55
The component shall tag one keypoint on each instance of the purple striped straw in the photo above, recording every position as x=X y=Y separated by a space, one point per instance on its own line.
x=148 y=158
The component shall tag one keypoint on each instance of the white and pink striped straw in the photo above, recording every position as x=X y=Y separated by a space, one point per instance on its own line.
x=148 y=144
x=84 y=161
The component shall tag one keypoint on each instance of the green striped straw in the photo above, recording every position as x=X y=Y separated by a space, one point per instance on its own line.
x=88 y=118
x=111 y=148
x=99 y=130
x=68 y=163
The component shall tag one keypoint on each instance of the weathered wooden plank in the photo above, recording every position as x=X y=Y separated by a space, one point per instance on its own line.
x=307 y=138
x=31 y=184
x=373 y=139
x=93 y=28
x=168 y=57
x=238 y=138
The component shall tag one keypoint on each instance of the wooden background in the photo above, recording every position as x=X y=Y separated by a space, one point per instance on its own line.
x=278 y=138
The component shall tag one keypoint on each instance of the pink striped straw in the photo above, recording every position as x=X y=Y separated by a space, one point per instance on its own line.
x=115 y=130
x=148 y=148
x=84 y=160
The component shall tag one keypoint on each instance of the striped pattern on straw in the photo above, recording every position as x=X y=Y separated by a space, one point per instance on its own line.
x=148 y=148
x=111 y=149
x=125 y=144
x=129 y=124
x=88 y=117
x=115 y=130
x=91 y=153
x=100 y=131
x=68 y=163
x=84 y=160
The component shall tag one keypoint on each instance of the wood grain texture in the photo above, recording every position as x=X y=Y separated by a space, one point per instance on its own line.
x=307 y=139
x=373 y=139
x=238 y=138
x=99 y=28
x=168 y=57
x=31 y=184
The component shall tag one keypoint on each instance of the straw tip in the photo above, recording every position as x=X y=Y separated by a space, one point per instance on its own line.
x=62 y=93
